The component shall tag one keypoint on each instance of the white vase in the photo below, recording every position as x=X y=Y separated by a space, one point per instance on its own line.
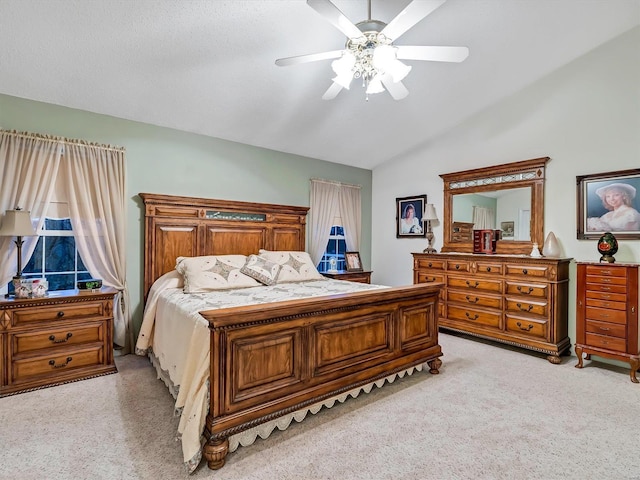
x=551 y=247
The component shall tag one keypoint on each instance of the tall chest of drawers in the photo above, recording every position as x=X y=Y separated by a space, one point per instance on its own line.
x=607 y=313
x=513 y=299
x=57 y=339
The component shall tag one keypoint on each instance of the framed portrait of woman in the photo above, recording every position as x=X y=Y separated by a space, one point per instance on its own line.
x=609 y=202
x=409 y=212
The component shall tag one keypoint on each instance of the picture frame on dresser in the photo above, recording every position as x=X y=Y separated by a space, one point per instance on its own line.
x=352 y=262
x=608 y=202
x=409 y=213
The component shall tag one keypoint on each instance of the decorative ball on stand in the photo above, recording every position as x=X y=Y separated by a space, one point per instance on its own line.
x=607 y=246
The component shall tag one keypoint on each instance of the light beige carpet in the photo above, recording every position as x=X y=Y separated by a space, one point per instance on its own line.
x=492 y=413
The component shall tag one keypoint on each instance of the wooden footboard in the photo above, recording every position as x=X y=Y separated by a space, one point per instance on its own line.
x=268 y=361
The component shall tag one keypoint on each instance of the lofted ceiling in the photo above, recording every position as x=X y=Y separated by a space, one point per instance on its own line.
x=207 y=66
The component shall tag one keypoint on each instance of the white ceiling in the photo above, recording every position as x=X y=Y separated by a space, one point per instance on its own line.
x=207 y=66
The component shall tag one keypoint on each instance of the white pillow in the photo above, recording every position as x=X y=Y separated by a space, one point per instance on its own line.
x=261 y=269
x=213 y=272
x=296 y=266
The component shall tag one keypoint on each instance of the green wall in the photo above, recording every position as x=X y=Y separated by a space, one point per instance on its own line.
x=166 y=161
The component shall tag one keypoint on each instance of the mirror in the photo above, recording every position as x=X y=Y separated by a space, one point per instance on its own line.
x=507 y=197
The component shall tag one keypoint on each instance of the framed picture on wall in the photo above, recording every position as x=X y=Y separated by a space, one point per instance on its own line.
x=409 y=212
x=608 y=202
x=353 y=262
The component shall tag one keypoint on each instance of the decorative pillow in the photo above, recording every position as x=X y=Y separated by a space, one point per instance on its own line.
x=213 y=272
x=296 y=266
x=261 y=269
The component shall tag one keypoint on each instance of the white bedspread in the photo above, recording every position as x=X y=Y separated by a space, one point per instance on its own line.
x=179 y=338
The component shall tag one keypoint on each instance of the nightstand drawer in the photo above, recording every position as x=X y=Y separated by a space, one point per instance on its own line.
x=32 y=341
x=58 y=363
x=69 y=311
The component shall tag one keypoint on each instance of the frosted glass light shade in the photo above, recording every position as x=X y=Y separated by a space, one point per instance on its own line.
x=551 y=247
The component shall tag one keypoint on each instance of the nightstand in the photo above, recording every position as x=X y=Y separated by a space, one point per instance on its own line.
x=362 y=277
x=61 y=338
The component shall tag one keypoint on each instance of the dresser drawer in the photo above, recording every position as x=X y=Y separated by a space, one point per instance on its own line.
x=600 y=280
x=476 y=317
x=604 y=341
x=613 y=297
x=433 y=264
x=489 y=268
x=527 y=326
x=475 y=284
x=527 y=289
x=26 y=368
x=610 y=329
x=602 y=314
x=430 y=278
x=472 y=298
x=527 y=306
x=607 y=271
x=58 y=338
x=599 y=287
x=459 y=265
x=69 y=311
x=534 y=271
x=592 y=302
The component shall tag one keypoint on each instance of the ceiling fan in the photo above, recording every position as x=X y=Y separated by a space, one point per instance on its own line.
x=370 y=53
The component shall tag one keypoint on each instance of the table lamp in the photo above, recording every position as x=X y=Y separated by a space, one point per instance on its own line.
x=17 y=223
x=429 y=216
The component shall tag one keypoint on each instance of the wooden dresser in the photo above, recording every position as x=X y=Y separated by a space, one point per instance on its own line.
x=362 y=277
x=513 y=299
x=57 y=339
x=607 y=313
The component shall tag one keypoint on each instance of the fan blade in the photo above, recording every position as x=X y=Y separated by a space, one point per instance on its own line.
x=433 y=54
x=412 y=14
x=330 y=12
x=397 y=90
x=313 y=57
x=332 y=91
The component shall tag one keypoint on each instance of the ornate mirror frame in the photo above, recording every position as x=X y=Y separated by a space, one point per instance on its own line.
x=527 y=173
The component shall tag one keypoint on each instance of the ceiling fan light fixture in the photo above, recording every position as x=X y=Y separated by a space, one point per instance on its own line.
x=375 y=85
x=343 y=68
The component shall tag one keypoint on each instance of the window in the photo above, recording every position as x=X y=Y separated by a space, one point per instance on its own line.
x=336 y=246
x=56 y=257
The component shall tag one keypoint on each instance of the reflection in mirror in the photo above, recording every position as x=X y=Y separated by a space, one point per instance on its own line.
x=507 y=210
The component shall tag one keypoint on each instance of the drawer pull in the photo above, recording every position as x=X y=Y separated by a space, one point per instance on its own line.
x=604 y=329
x=60 y=340
x=430 y=279
x=475 y=316
x=62 y=365
x=475 y=284
x=606 y=288
x=604 y=315
x=524 y=271
x=472 y=301
x=522 y=309
x=457 y=267
x=430 y=264
x=529 y=290
x=606 y=272
x=606 y=279
x=488 y=269
x=60 y=314
x=526 y=329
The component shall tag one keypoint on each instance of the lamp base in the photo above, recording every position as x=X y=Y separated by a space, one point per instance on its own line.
x=429 y=250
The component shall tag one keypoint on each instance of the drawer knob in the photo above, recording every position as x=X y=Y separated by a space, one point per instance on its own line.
x=529 y=290
x=475 y=300
x=430 y=279
x=526 y=329
x=475 y=284
x=60 y=314
x=525 y=271
x=60 y=340
x=457 y=267
x=522 y=309
x=488 y=269
x=430 y=264
x=475 y=316
x=61 y=365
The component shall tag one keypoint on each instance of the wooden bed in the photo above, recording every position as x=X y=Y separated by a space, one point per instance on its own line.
x=269 y=362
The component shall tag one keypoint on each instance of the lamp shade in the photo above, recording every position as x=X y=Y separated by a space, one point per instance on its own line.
x=17 y=223
x=430 y=212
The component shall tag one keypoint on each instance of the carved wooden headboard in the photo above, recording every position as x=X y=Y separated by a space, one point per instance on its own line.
x=185 y=226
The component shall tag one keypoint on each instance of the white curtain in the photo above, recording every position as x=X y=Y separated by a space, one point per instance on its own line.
x=324 y=203
x=95 y=180
x=351 y=213
x=483 y=218
x=329 y=200
x=28 y=169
